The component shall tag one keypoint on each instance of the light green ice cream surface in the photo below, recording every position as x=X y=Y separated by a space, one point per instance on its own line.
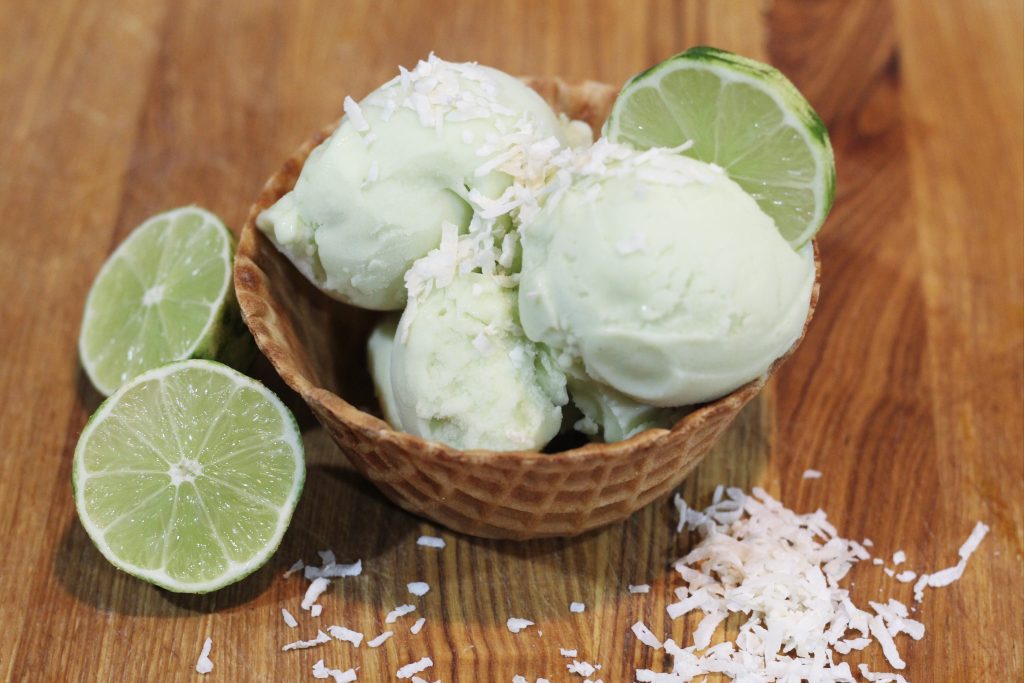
x=466 y=375
x=378 y=354
x=666 y=282
x=372 y=198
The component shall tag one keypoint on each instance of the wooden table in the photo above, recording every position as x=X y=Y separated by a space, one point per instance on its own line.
x=907 y=393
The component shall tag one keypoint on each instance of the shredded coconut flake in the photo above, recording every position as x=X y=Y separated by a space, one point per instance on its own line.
x=355 y=114
x=944 y=577
x=430 y=541
x=418 y=588
x=414 y=668
x=379 y=640
x=204 y=665
x=577 y=607
x=899 y=557
x=297 y=567
x=645 y=636
x=346 y=635
x=812 y=474
x=418 y=626
x=339 y=676
x=399 y=611
x=582 y=668
x=320 y=639
x=313 y=593
x=515 y=624
x=316 y=610
x=288 y=618
x=640 y=588
x=567 y=653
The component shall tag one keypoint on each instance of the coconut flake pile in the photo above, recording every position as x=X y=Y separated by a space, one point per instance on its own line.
x=782 y=571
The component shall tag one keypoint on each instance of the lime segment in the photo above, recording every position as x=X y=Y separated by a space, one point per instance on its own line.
x=744 y=116
x=187 y=476
x=165 y=294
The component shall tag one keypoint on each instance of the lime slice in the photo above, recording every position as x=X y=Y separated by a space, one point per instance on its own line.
x=188 y=475
x=165 y=294
x=744 y=116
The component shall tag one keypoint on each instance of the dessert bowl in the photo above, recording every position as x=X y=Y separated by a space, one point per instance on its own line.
x=317 y=345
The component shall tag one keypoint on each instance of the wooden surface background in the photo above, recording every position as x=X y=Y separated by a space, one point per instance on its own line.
x=907 y=393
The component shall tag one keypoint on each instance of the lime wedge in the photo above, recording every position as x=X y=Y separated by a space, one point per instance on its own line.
x=188 y=475
x=165 y=294
x=744 y=116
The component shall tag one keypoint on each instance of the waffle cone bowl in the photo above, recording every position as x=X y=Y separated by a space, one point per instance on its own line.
x=317 y=345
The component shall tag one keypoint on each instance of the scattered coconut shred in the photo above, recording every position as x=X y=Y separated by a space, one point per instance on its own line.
x=755 y=557
x=783 y=572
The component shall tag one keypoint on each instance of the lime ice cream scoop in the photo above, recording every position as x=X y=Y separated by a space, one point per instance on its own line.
x=463 y=373
x=613 y=414
x=378 y=354
x=662 y=277
x=426 y=148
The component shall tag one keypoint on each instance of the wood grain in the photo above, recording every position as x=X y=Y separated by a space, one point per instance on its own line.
x=907 y=392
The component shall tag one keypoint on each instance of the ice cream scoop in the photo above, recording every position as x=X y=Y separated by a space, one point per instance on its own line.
x=463 y=373
x=661 y=277
x=378 y=355
x=613 y=415
x=423 y=150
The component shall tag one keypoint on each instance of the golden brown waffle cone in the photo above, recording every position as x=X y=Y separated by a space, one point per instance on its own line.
x=318 y=345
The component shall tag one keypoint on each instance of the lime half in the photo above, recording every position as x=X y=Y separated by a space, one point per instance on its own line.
x=188 y=475
x=165 y=294
x=744 y=116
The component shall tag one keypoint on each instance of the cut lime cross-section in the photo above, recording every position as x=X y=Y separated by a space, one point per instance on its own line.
x=744 y=116
x=165 y=294
x=187 y=476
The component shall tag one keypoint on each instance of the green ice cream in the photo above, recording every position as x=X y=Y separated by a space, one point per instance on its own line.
x=425 y=149
x=613 y=414
x=463 y=373
x=378 y=354
x=661 y=277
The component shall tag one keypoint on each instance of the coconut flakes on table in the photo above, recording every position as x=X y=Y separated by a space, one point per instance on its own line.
x=316 y=610
x=906 y=576
x=416 y=667
x=944 y=577
x=515 y=624
x=345 y=634
x=339 y=676
x=331 y=569
x=645 y=636
x=584 y=669
x=289 y=620
x=640 y=588
x=782 y=570
x=320 y=639
x=297 y=567
x=899 y=557
x=379 y=640
x=204 y=665
x=577 y=607
x=812 y=474
x=418 y=588
x=399 y=611
x=430 y=542
x=567 y=653
x=313 y=593
x=418 y=626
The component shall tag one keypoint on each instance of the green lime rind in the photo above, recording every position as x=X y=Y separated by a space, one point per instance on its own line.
x=743 y=115
x=247 y=471
x=165 y=294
